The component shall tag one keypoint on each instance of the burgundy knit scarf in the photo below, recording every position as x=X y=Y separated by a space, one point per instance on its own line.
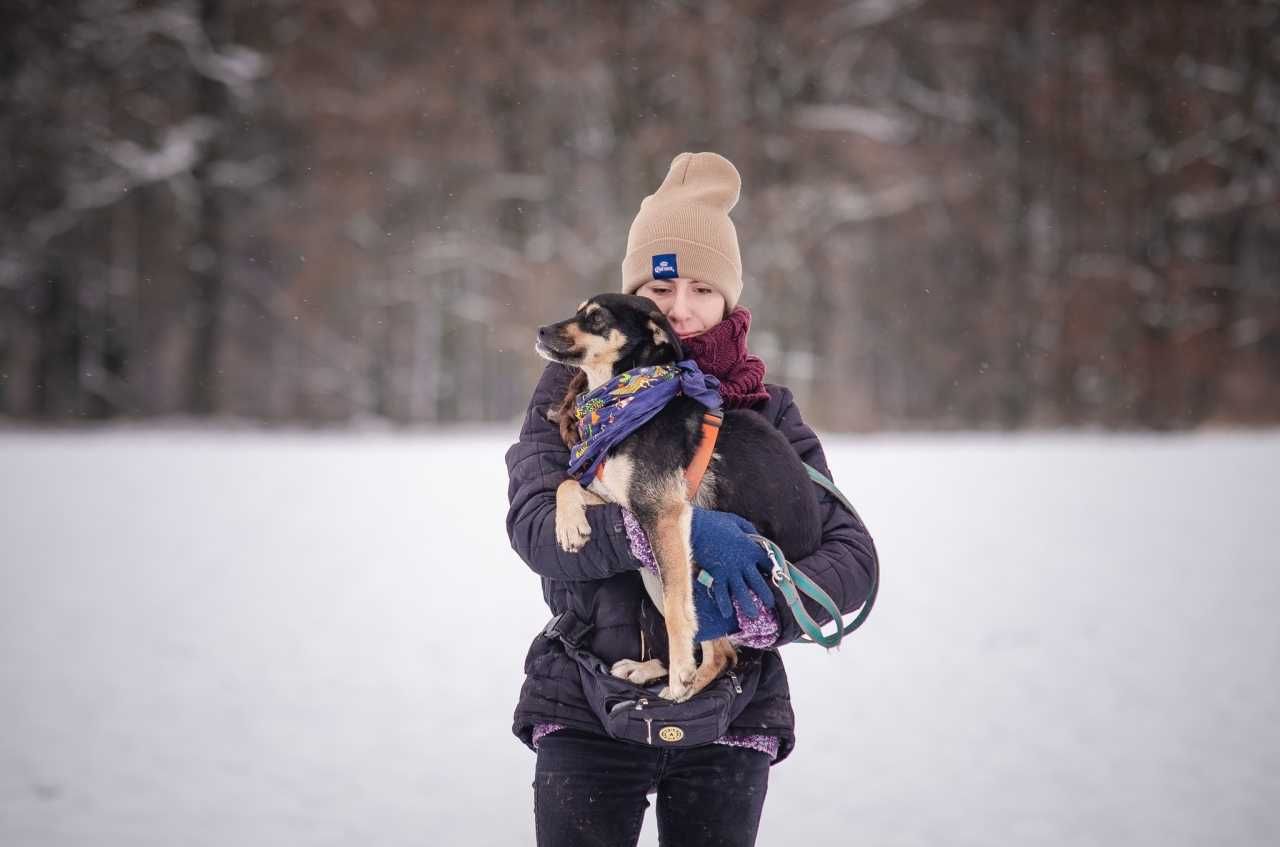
x=722 y=352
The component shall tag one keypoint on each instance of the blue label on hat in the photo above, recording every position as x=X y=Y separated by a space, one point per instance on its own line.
x=664 y=266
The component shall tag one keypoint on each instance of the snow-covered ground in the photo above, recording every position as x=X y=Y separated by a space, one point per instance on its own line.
x=247 y=639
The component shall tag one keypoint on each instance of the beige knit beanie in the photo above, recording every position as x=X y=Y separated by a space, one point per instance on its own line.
x=683 y=228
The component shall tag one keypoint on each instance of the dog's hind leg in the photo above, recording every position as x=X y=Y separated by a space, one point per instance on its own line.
x=718 y=655
x=669 y=537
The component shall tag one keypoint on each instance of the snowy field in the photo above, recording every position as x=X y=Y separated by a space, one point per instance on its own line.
x=243 y=639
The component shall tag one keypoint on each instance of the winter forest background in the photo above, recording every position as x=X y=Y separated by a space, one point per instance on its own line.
x=996 y=214
x=270 y=272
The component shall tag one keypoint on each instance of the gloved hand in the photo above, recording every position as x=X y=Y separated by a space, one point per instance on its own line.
x=712 y=623
x=721 y=547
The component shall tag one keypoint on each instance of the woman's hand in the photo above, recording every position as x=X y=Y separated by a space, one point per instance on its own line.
x=712 y=623
x=721 y=548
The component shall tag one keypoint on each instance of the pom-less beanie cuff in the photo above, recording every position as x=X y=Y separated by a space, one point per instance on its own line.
x=693 y=261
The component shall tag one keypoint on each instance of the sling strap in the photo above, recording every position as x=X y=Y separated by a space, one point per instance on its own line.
x=567 y=627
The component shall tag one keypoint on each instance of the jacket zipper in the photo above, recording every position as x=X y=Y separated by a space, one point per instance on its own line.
x=734 y=678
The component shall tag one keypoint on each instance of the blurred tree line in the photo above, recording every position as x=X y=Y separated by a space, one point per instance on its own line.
x=1002 y=213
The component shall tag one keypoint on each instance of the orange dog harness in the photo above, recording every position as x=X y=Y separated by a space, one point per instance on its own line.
x=693 y=474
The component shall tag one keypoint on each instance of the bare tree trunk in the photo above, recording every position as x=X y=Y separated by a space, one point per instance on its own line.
x=206 y=259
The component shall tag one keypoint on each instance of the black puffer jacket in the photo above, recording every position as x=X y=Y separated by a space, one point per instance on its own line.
x=601 y=583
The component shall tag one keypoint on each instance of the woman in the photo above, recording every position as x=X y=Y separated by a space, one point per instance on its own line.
x=682 y=252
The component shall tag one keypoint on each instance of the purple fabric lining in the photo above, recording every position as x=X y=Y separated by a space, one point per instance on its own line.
x=544 y=729
x=767 y=744
x=759 y=633
x=639 y=542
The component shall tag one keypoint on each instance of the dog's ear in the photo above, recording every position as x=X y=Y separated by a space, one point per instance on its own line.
x=565 y=416
x=665 y=340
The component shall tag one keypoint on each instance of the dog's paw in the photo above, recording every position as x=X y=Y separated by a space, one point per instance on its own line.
x=572 y=531
x=681 y=684
x=640 y=673
x=572 y=527
x=669 y=692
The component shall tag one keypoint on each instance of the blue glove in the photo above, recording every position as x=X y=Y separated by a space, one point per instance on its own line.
x=712 y=623
x=721 y=547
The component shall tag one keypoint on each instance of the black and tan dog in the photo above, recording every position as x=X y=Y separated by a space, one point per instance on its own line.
x=753 y=472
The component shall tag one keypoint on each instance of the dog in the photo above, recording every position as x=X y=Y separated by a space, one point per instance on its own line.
x=753 y=472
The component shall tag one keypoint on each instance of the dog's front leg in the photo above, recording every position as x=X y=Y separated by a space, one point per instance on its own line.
x=669 y=537
x=572 y=528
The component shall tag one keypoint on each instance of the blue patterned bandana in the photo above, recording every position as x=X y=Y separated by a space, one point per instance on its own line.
x=625 y=403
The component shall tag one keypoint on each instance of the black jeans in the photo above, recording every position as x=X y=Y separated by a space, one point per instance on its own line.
x=590 y=790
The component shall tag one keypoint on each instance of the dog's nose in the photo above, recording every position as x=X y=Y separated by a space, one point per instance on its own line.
x=543 y=332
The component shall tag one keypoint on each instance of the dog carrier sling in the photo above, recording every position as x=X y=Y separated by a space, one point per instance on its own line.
x=630 y=712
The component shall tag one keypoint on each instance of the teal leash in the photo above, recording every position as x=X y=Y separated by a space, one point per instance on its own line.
x=792 y=582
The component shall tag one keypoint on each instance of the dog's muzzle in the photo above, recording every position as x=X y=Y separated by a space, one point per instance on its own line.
x=551 y=345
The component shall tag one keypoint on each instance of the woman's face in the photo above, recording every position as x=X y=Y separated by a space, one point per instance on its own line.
x=693 y=307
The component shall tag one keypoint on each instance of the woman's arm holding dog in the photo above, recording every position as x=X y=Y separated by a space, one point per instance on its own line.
x=846 y=559
x=536 y=465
